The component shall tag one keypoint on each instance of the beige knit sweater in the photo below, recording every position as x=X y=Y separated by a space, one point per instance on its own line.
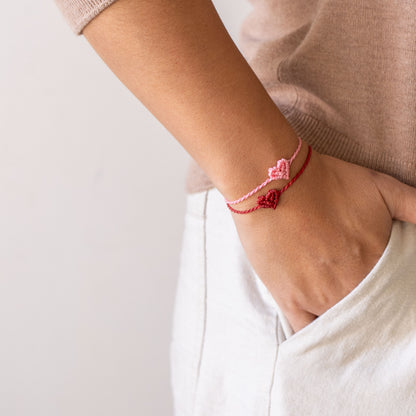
x=342 y=73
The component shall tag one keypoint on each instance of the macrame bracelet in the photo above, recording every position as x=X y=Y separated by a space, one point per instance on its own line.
x=280 y=171
x=271 y=199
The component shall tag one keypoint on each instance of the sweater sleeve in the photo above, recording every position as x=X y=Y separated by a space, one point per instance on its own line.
x=78 y=13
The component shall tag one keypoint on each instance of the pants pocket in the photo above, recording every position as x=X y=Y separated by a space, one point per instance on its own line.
x=357 y=296
x=359 y=356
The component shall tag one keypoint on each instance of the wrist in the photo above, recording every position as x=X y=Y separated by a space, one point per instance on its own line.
x=257 y=180
x=295 y=202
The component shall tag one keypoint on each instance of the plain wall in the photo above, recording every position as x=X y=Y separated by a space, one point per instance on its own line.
x=88 y=266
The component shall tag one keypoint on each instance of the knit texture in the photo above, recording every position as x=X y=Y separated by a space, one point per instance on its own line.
x=344 y=77
x=78 y=13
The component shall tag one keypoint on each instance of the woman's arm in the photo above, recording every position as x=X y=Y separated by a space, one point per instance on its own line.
x=178 y=59
x=333 y=224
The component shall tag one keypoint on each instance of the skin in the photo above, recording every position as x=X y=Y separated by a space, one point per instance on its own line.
x=329 y=228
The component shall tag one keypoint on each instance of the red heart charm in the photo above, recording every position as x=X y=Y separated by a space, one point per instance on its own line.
x=270 y=200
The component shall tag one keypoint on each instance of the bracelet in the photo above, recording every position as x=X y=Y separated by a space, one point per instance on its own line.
x=280 y=171
x=271 y=199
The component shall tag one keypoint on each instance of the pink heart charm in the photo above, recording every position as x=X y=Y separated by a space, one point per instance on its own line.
x=270 y=200
x=281 y=170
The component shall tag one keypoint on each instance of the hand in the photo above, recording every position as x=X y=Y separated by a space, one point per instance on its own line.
x=328 y=231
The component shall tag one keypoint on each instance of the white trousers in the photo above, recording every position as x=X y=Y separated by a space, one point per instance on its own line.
x=234 y=353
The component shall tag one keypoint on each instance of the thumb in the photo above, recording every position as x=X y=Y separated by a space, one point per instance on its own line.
x=399 y=197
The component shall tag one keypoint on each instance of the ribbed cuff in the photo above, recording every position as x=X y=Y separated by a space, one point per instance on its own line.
x=78 y=13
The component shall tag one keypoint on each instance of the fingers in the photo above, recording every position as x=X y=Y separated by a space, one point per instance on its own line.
x=299 y=319
x=399 y=197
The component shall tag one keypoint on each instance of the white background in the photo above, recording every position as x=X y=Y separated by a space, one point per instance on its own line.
x=88 y=254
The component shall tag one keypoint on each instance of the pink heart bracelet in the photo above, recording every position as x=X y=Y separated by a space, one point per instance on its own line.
x=280 y=171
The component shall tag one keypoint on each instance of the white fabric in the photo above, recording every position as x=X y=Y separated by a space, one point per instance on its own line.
x=234 y=353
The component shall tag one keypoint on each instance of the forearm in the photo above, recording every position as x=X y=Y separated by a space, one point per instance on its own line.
x=177 y=58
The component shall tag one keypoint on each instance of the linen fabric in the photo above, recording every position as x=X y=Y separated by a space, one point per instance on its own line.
x=233 y=351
